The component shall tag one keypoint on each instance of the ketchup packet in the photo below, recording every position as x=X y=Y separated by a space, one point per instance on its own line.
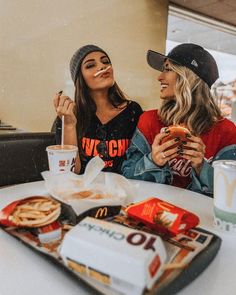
x=162 y=216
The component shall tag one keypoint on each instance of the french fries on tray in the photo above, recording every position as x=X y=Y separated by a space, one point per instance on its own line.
x=34 y=211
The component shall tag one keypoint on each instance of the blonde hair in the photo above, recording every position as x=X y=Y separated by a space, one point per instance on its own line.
x=193 y=106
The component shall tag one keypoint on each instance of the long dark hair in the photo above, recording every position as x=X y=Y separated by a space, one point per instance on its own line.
x=86 y=107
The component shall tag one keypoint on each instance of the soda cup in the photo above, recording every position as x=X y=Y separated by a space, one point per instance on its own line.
x=61 y=159
x=225 y=195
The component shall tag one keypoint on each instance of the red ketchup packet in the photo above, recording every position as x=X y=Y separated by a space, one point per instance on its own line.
x=162 y=216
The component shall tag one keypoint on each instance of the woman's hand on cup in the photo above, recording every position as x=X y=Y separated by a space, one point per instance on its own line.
x=194 y=150
x=162 y=153
x=65 y=106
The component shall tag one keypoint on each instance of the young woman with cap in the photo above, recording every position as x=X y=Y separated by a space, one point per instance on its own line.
x=100 y=121
x=188 y=72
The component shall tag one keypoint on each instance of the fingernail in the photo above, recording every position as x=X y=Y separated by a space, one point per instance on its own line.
x=188 y=135
x=180 y=153
x=60 y=92
x=180 y=149
x=177 y=139
x=184 y=142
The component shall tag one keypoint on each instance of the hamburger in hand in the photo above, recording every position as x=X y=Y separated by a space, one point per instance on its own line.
x=180 y=132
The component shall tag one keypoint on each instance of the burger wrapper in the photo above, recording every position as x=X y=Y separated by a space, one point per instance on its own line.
x=162 y=217
x=95 y=193
x=179 y=131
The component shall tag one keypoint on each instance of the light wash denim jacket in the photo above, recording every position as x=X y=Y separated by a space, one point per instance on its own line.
x=139 y=165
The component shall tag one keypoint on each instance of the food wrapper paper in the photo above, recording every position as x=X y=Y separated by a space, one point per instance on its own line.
x=95 y=193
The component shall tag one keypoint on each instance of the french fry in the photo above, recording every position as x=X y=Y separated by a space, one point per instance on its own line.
x=174 y=265
x=35 y=212
x=101 y=71
x=79 y=195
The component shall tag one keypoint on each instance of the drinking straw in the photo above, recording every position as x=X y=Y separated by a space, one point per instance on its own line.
x=62 y=130
x=62 y=124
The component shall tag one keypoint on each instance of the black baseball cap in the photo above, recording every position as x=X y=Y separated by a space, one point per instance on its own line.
x=192 y=56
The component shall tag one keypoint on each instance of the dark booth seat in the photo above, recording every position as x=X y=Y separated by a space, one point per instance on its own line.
x=23 y=156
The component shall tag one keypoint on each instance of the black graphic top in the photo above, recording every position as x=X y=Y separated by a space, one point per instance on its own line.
x=111 y=140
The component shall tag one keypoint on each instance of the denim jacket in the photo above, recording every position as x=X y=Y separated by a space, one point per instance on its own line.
x=139 y=165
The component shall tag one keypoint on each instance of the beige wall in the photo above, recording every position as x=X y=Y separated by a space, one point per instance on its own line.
x=38 y=37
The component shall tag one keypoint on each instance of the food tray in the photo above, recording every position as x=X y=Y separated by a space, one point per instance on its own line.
x=182 y=278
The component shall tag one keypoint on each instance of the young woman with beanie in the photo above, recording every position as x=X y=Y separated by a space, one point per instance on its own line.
x=100 y=120
x=187 y=74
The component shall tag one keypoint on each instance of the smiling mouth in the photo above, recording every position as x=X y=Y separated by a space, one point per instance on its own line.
x=163 y=86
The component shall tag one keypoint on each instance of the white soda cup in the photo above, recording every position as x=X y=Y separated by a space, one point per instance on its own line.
x=61 y=159
x=225 y=195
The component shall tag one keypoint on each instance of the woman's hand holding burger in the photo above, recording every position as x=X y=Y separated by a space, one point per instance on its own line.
x=175 y=141
x=194 y=151
x=163 y=152
x=65 y=106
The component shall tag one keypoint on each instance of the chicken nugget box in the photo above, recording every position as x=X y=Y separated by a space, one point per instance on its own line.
x=124 y=259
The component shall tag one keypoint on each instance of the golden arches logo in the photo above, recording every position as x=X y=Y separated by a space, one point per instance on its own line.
x=101 y=212
x=229 y=187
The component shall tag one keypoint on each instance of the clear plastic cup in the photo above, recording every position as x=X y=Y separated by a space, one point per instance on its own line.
x=61 y=159
x=225 y=195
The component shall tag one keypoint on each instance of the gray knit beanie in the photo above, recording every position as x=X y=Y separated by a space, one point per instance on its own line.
x=78 y=57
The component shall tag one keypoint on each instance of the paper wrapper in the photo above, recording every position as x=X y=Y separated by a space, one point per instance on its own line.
x=162 y=216
x=95 y=193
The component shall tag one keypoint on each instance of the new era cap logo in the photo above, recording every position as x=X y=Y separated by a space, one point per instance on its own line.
x=194 y=63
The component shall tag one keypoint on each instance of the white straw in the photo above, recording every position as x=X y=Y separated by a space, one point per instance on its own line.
x=62 y=130
x=102 y=71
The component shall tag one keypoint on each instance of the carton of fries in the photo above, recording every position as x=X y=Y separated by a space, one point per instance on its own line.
x=162 y=216
x=35 y=211
x=94 y=193
x=127 y=260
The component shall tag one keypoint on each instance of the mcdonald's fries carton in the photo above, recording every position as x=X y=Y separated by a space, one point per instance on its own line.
x=162 y=216
x=225 y=195
x=124 y=259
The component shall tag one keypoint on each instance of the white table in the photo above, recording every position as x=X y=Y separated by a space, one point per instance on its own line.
x=23 y=271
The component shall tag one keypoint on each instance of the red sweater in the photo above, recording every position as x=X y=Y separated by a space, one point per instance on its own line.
x=222 y=134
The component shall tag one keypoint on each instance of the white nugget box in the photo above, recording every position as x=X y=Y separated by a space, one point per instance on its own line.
x=127 y=260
